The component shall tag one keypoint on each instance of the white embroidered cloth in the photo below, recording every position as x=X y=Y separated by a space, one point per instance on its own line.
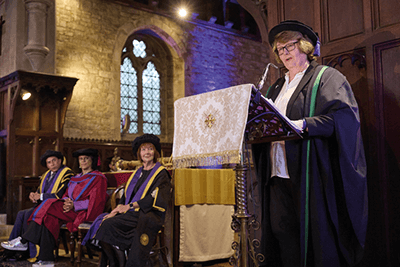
x=209 y=127
x=205 y=232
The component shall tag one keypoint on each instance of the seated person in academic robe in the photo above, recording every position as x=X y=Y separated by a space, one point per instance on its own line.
x=83 y=201
x=53 y=184
x=133 y=225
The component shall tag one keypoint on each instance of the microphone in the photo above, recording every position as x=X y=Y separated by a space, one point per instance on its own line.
x=261 y=81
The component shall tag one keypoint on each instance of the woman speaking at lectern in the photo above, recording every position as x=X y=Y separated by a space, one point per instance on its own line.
x=314 y=190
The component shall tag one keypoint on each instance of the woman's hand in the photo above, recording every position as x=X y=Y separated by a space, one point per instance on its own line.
x=110 y=215
x=122 y=208
x=118 y=209
x=68 y=205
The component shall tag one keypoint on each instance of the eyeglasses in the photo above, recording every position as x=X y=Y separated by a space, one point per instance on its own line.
x=288 y=47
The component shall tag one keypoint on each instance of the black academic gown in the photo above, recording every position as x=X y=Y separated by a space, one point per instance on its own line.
x=338 y=188
x=136 y=230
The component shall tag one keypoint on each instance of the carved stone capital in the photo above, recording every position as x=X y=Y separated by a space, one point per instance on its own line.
x=43 y=2
x=36 y=54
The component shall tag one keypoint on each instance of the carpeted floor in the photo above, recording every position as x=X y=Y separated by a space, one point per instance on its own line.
x=62 y=261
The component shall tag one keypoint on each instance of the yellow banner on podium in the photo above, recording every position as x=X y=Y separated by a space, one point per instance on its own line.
x=204 y=186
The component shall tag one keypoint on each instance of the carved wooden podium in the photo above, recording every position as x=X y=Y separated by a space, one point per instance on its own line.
x=211 y=129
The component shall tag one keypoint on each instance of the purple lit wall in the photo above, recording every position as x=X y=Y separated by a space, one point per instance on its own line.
x=217 y=60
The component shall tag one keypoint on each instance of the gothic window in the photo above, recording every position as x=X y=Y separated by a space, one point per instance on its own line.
x=151 y=100
x=129 y=95
x=143 y=68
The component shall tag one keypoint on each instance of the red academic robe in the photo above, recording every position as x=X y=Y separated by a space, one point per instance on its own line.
x=90 y=189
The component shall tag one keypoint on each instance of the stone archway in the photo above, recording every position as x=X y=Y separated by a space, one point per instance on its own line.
x=178 y=66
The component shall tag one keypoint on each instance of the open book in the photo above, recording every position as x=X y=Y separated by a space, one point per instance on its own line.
x=265 y=123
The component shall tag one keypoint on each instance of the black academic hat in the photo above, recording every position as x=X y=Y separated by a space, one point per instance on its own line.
x=50 y=153
x=94 y=153
x=86 y=151
x=294 y=25
x=146 y=138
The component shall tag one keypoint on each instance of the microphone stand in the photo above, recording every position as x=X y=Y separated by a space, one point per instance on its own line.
x=244 y=248
x=261 y=81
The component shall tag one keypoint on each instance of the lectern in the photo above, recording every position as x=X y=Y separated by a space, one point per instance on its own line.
x=212 y=128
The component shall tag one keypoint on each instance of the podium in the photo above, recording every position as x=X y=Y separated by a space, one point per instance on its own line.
x=212 y=129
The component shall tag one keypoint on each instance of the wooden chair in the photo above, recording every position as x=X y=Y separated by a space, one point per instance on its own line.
x=75 y=238
x=159 y=244
x=61 y=238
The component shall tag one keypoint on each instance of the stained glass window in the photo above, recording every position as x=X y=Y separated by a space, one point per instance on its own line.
x=129 y=96
x=151 y=100
x=140 y=90
x=139 y=48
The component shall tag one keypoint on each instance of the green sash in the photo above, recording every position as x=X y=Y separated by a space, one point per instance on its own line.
x=307 y=211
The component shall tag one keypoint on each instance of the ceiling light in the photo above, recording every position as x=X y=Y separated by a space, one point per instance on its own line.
x=25 y=95
x=182 y=12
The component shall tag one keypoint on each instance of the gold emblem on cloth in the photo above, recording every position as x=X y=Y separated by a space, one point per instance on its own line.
x=144 y=239
x=210 y=120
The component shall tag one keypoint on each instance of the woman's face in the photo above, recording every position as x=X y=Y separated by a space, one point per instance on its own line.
x=291 y=55
x=85 y=162
x=147 y=153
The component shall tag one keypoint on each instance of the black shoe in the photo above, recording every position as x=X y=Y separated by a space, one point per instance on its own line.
x=20 y=256
x=6 y=255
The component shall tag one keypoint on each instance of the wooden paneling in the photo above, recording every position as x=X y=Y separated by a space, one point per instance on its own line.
x=391 y=95
x=352 y=64
x=24 y=154
x=387 y=97
x=343 y=18
x=297 y=10
x=21 y=188
x=24 y=114
x=49 y=112
x=127 y=154
x=386 y=12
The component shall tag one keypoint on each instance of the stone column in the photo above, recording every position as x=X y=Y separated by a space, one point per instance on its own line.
x=36 y=49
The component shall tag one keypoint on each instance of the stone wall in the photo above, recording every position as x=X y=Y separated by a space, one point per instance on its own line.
x=217 y=60
x=89 y=39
